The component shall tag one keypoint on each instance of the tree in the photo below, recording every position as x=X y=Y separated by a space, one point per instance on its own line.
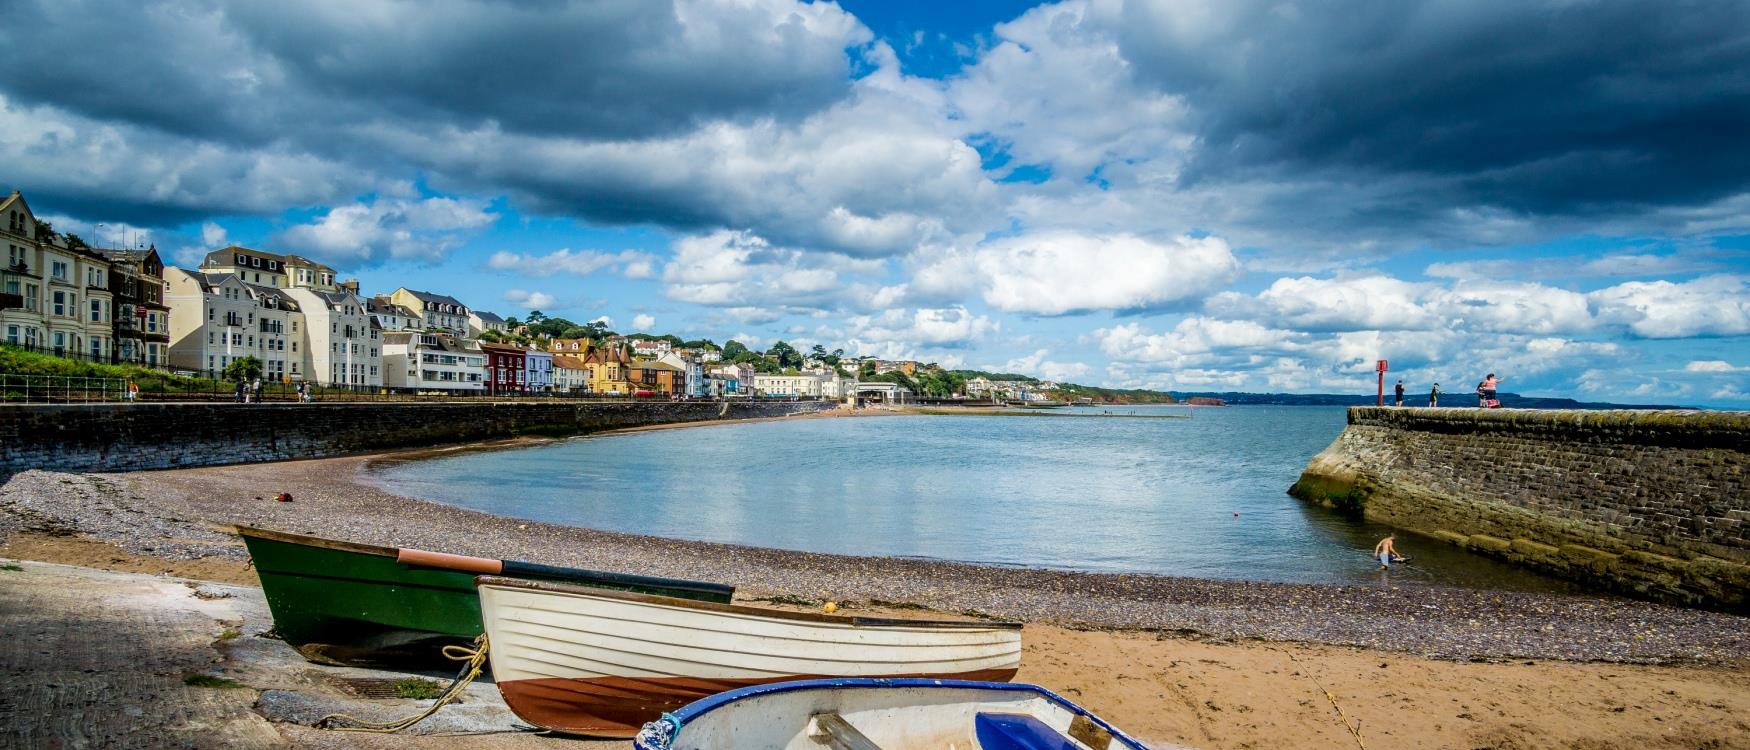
x=45 y=231
x=732 y=350
x=786 y=355
x=76 y=242
x=575 y=332
x=243 y=369
x=536 y=316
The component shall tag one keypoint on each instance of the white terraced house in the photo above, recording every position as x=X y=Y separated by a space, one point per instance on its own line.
x=799 y=386
x=217 y=319
x=345 y=341
x=432 y=362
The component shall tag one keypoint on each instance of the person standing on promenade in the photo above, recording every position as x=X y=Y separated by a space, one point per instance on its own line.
x=239 y=392
x=1434 y=396
x=1400 y=392
x=133 y=390
x=1490 y=383
x=1385 y=552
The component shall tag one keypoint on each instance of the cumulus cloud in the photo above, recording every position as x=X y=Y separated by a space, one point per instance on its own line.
x=1040 y=365
x=643 y=323
x=751 y=277
x=400 y=228
x=1708 y=306
x=629 y=263
x=1057 y=273
x=1713 y=365
x=533 y=300
x=900 y=330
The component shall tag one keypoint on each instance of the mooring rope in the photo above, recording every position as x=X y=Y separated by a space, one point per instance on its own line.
x=476 y=662
x=1354 y=729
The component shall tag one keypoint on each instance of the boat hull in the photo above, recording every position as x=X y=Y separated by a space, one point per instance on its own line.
x=354 y=605
x=602 y=664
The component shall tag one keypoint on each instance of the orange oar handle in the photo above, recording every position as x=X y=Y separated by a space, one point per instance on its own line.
x=448 y=561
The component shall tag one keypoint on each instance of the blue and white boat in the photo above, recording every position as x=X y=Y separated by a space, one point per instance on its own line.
x=883 y=714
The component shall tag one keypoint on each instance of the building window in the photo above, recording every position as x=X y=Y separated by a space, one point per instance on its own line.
x=97 y=311
x=96 y=347
x=62 y=306
x=32 y=297
x=12 y=335
x=58 y=270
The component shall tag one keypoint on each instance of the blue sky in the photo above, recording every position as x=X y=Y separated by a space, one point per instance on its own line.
x=1176 y=194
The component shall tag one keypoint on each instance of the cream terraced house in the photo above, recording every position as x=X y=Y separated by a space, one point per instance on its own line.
x=217 y=319
x=270 y=269
x=798 y=386
x=55 y=297
x=345 y=343
x=436 y=311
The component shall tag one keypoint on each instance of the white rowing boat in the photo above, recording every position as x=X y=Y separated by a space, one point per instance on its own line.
x=865 y=714
x=597 y=662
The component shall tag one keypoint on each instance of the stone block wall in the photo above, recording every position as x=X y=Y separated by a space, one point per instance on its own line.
x=127 y=437
x=1652 y=503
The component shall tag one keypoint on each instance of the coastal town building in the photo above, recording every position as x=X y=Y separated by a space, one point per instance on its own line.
x=432 y=362
x=269 y=269
x=480 y=321
x=540 y=370
x=506 y=368
x=693 y=373
x=570 y=374
x=610 y=370
x=650 y=348
x=786 y=386
x=141 y=321
x=344 y=343
x=883 y=393
x=656 y=378
x=53 y=296
x=391 y=316
x=573 y=347
x=216 y=319
x=436 y=311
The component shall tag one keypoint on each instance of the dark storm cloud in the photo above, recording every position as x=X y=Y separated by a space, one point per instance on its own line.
x=1535 y=107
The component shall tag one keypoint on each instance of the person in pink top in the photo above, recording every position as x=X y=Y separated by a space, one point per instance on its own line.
x=1487 y=390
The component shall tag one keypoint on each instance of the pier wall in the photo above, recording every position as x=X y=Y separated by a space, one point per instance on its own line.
x=127 y=437
x=1648 y=503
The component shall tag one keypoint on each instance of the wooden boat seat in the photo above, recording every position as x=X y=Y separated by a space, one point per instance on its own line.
x=831 y=730
x=1024 y=732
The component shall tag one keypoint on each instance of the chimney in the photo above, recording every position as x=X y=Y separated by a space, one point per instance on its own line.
x=351 y=285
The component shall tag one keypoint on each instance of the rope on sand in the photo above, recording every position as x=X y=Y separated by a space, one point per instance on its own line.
x=1354 y=729
x=476 y=662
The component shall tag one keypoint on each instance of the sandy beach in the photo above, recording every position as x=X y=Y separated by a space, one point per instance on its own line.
x=1204 y=663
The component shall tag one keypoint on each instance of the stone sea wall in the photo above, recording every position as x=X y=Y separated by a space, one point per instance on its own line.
x=127 y=437
x=1648 y=503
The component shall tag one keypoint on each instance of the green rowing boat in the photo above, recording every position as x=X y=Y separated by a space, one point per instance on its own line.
x=358 y=604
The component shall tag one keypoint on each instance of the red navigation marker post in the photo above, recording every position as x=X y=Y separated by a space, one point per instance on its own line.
x=1380 y=366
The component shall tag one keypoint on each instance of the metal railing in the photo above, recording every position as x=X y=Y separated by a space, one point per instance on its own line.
x=65 y=389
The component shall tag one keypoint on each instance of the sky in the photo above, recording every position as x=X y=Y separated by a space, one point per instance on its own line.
x=1182 y=194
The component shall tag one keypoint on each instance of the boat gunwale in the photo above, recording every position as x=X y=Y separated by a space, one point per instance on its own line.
x=315 y=541
x=686 y=714
x=741 y=609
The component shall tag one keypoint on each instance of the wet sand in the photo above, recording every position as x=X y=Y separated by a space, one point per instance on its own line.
x=1198 y=662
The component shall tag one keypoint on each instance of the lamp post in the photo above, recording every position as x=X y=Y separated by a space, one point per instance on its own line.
x=1381 y=367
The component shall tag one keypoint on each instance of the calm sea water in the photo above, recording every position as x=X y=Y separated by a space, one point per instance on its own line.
x=1201 y=496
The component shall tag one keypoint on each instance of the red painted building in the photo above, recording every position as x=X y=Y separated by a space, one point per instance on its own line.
x=506 y=368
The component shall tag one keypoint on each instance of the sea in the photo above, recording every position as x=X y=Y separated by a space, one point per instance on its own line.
x=1166 y=490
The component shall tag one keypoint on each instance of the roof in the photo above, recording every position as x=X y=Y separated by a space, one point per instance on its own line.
x=569 y=362
x=382 y=305
x=487 y=317
x=435 y=297
x=223 y=257
x=286 y=302
x=487 y=346
x=655 y=364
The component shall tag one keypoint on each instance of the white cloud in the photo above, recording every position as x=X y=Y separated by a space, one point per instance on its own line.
x=604 y=320
x=928 y=327
x=390 y=227
x=1056 y=273
x=213 y=235
x=528 y=299
x=1039 y=365
x=1708 y=306
x=1713 y=365
x=643 y=323
x=629 y=263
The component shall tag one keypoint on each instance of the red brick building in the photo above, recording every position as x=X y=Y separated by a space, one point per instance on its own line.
x=506 y=368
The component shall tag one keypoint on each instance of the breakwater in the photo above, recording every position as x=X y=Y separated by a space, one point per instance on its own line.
x=128 y=437
x=1649 y=503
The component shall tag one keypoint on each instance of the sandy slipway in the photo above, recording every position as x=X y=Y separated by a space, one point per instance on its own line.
x=182 y=515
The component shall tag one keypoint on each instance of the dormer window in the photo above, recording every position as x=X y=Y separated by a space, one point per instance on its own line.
x=242 y=260
x=255 y=262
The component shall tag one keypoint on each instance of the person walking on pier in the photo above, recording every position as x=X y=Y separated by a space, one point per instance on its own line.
x=1434 y=396
x=1400 y=392
x=1486 y=392
x=1385 y=552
